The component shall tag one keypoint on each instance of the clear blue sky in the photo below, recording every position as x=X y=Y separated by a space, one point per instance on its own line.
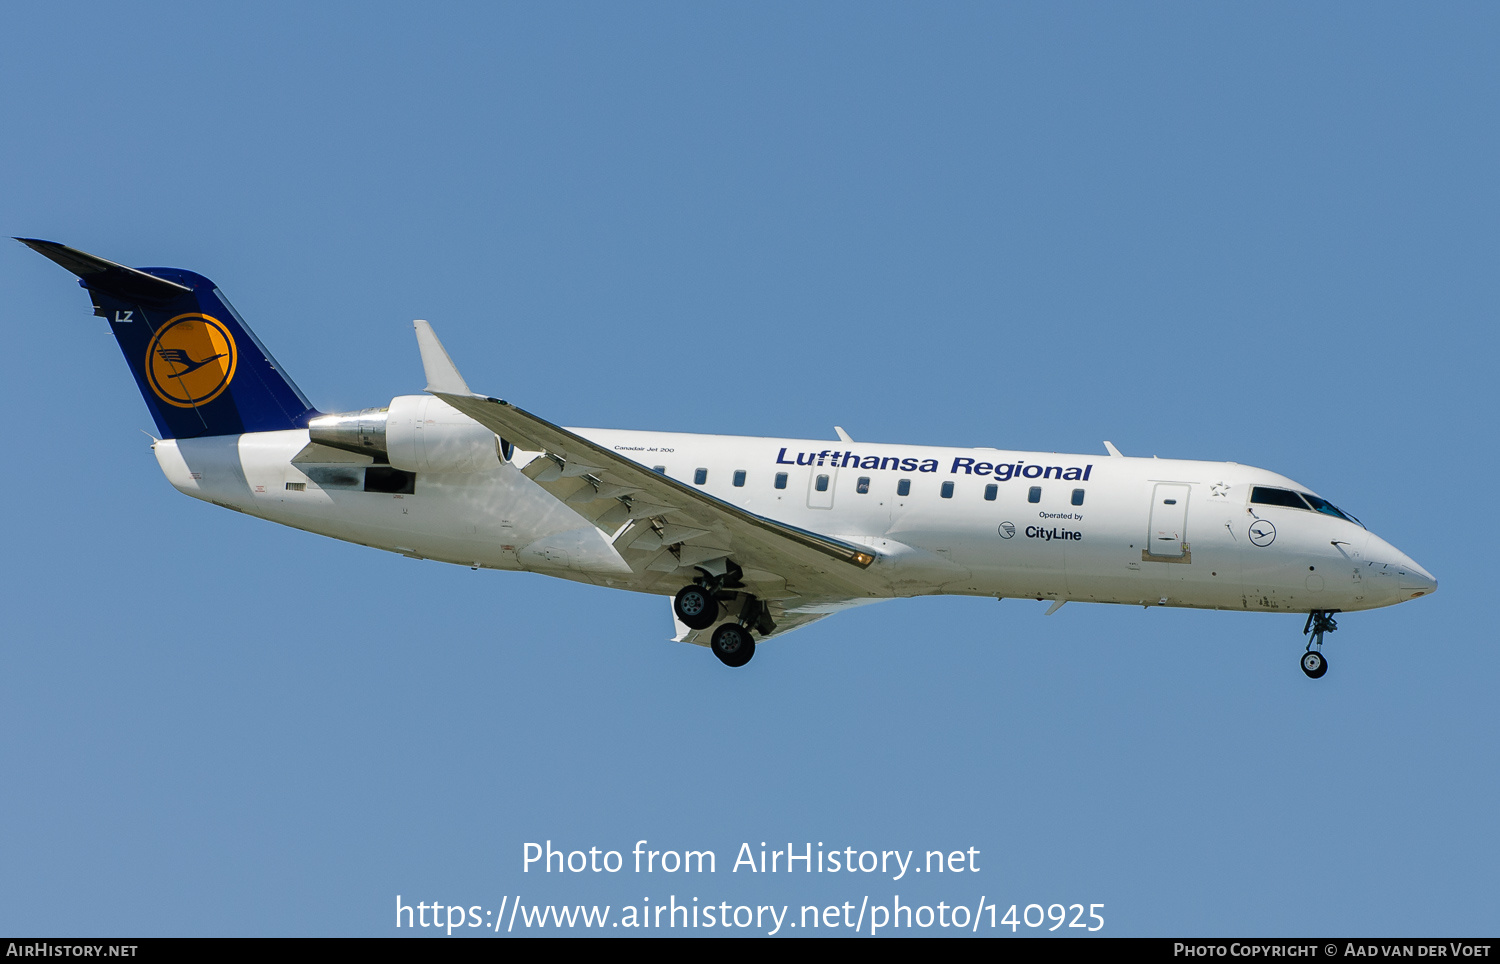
x=964 y=224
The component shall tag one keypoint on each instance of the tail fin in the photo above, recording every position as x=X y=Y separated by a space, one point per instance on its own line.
x=200 y=368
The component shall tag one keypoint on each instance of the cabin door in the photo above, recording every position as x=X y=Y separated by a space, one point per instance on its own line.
x=1167 y=537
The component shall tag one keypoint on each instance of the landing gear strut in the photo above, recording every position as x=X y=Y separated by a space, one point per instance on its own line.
x=1319 y=621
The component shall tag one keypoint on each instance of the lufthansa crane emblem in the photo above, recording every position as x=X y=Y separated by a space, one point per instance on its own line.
x=1262 y=533
x=191 y=360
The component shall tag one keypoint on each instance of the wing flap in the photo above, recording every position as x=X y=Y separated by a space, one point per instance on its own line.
x=660 y=525
x=625 y=475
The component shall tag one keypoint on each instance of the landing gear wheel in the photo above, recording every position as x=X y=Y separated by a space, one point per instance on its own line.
x=1313 y=664
x=733 y=644
x=696 y=607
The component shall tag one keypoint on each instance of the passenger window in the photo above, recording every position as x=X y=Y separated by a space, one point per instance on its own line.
x=822 y=484
x=700 y=476
x=1078 y=497
x=780 y=480
x=990 y=491
x=863 y=485
x=903 y=487
x=1035 y=495
x=947 y=490
x=739 y=477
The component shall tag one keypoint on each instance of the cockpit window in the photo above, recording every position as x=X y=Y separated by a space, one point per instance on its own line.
x=1328 y=508
x=1265 y=495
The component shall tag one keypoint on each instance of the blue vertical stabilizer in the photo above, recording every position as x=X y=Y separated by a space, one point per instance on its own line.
x=200 y=368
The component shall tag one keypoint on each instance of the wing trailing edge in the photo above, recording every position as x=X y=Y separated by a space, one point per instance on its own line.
x=610 y=471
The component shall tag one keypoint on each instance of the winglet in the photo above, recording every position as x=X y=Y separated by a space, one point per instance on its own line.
x=442 y=374
x=1110 y=448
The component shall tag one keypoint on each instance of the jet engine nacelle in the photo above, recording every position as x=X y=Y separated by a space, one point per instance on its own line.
x=426 y=434
x=416 y=433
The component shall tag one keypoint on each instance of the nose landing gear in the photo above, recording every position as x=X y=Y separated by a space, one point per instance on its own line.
x=1319 y=621
x=1314 y=665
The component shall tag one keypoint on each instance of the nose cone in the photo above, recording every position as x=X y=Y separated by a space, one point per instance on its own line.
x=1401 y=574
x=1395 y=576
x=1414 y=580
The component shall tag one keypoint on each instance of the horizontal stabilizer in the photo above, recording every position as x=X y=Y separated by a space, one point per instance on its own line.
x=102 y=275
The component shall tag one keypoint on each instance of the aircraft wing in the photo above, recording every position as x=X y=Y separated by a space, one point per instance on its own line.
x=664 y=528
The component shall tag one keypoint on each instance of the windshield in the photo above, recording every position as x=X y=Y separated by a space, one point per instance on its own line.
x=1328 y=508
x=1267 y=495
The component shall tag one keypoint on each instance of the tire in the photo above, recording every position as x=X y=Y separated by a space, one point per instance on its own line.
x=733 y=644
x=696 y=607
x=1314 y=664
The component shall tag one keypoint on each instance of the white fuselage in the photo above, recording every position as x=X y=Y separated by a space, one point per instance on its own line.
x=1100 y=528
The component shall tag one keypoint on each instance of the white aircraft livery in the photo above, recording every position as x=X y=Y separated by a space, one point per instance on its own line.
x=750 y=537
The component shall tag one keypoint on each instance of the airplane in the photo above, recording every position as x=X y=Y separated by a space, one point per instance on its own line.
x=750 y=537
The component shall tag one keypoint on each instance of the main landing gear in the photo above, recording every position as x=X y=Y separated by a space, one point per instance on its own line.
x=696 y=607
x=703 y=602
x=733 y=644
x=1319 y=621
